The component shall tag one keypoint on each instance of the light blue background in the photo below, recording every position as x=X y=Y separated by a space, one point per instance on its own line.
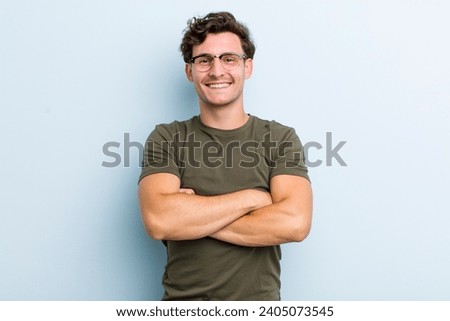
x=75 y=75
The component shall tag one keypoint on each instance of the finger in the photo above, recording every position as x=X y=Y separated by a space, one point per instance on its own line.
x=187 y=191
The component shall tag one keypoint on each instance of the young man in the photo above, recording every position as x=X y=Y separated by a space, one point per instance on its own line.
x=223 y=189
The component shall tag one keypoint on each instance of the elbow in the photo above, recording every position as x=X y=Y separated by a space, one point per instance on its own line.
x=154 y=228
x=155 y=234
x=300 y=234
x=300 y=230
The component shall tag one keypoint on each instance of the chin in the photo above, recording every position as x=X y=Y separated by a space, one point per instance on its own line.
x=222 y=104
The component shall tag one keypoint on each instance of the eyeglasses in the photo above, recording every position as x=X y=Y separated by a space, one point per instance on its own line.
x=228 y=61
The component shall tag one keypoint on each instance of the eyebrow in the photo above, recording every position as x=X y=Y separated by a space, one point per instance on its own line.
x=210 y=54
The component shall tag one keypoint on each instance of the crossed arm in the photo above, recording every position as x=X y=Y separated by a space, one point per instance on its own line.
x=248 y=217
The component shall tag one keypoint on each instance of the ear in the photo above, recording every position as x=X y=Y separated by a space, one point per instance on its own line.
x=248 y=68
x=188 y=71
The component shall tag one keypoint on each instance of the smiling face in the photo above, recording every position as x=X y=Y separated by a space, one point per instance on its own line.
x=219 y=87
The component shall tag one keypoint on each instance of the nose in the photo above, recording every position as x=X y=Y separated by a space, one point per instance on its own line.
x=216 y=68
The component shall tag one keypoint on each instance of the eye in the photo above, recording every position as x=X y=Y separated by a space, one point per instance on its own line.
x=205 y=60
x=229 y=59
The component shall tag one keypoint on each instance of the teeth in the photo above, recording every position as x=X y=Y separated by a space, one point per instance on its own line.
x=223 y=85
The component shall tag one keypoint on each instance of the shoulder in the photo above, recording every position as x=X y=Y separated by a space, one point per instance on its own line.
x=173 y=130
x=273 y=127
x=176 y=125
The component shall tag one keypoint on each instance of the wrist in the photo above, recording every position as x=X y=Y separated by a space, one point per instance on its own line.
x=257 y=199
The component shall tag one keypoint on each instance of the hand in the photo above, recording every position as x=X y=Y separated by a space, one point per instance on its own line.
x=262 y=198
x=187 y=191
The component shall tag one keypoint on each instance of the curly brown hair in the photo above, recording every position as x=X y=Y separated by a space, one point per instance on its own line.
x=214 y=22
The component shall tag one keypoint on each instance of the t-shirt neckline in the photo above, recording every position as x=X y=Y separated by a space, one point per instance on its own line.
x=225 y=132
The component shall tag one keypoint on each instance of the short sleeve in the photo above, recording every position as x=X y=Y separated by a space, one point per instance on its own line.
x=288 y=157
x=159 y=153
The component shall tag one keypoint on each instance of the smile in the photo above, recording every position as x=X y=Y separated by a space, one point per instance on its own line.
x=219 y=85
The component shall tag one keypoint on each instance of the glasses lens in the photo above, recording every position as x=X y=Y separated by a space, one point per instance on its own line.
x=203 y=63
x=227 y=61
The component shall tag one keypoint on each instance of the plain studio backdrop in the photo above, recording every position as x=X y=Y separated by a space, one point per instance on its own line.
x=366 y=85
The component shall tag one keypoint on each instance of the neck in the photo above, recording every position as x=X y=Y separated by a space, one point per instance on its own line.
x=223 y=117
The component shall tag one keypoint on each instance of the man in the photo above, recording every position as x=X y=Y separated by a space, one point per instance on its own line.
x=223 y=189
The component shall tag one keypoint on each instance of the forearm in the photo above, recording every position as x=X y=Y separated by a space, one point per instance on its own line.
x=271 y=225
x=181 y=216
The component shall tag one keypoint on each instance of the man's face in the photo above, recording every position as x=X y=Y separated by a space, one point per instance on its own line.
x=219 y=86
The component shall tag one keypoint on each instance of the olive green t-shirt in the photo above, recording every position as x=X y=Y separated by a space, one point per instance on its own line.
x=213 y=162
